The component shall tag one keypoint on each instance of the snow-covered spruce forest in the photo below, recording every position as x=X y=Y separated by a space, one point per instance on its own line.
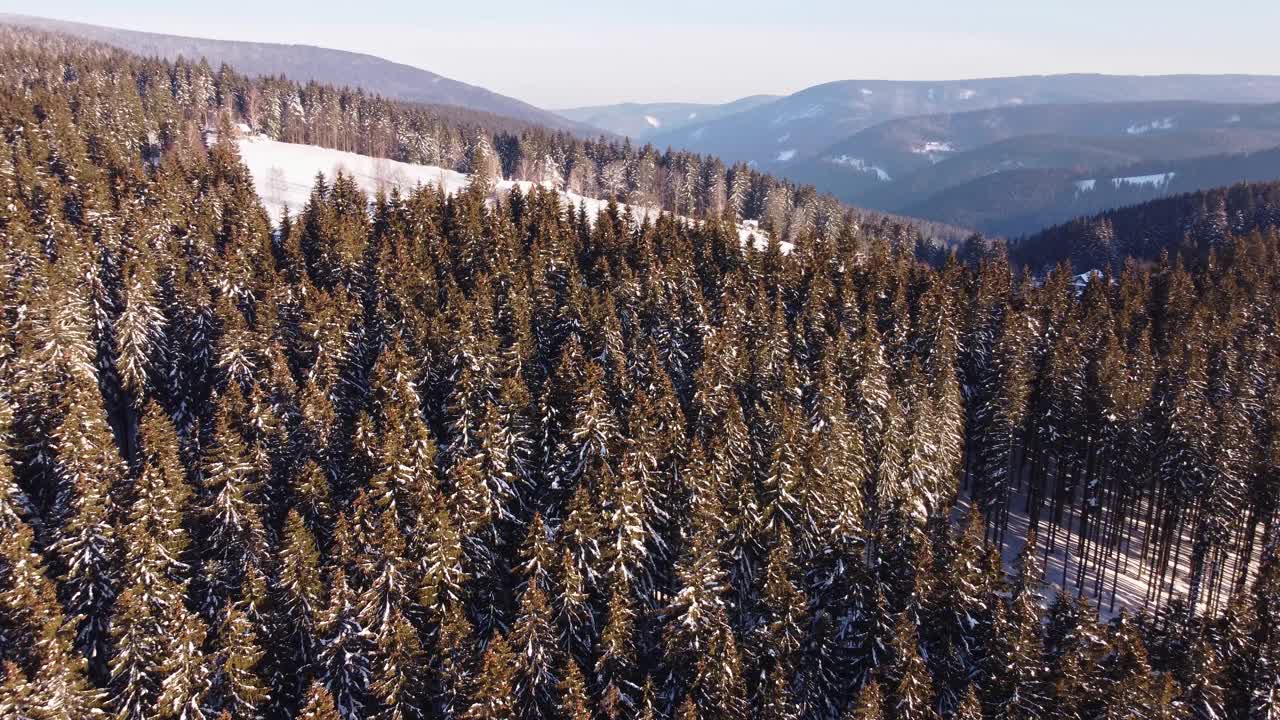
x=478 y=455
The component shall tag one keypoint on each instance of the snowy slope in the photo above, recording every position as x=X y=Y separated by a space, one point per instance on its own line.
x=284 y=173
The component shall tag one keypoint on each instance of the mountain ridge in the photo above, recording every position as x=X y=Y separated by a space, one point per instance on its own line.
x=305 y=62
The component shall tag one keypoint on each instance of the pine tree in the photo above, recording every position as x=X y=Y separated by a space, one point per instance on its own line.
x=185 y=672
x=534 y=655
x=869 y=704
x=616 y=667
x=343 y=657
x=493 y=697
x=969 y=708
x=236 y=683
x=399 y=665
x=912 y=698
x=573 y=703
x=1129 y=691
x=319 y=705
x=1016 y=674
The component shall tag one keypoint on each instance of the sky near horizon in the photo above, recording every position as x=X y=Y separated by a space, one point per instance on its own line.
x=559 y=54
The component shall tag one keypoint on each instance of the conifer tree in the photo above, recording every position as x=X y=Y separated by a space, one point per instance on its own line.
x=343 y=656
x=912 y=698
x=399 y=672
x=533 y=655
x=493 y=698
x=236 y=685
x=869 y=704
x=319 y=705
x=573 y=704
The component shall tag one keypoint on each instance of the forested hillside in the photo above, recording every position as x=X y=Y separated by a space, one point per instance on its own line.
x=193 y=96
x=1192 y=224
x=306 y=63
x=480 y=456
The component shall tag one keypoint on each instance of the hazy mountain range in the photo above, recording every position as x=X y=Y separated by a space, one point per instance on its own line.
x=306 y=62
x=645 y=120
x=1002 y=155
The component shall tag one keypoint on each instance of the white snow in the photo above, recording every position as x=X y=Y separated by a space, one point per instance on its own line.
x=933 y=149
x=1015 y=101
x=1161 y=124
x=967 y=94
x=866 y=92
x=284 y=174
x=1086 y=185
x=693 y=115
x=1156 y=180
x=786 y=155
x=653 y=121
x=933 y=146
x=1128 y=573
x=862 y=166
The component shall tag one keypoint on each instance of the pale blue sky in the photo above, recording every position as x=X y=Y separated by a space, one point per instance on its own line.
x=558 y=54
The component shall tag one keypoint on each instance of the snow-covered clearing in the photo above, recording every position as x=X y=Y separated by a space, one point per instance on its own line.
x=934 y=150
x=862 y=166
x=1142 y=129
x=653 y=121
x=284 y=174
x=1156 y=180
x=786 y=155
x=933 y=146
x=1123 y=579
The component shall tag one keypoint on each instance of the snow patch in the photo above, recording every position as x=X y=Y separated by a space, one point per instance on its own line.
x=785 y=156
x=1086 y=185
x=653 y=121
x=1157 y=180
x=284 y=174
x=693 y=115
x=862 y=166
x=933 y=150
x=967 y=94
x=866 y=92
x=1015 y=101
x=1161 y=124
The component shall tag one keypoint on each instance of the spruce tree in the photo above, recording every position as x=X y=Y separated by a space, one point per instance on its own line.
x=492 y=698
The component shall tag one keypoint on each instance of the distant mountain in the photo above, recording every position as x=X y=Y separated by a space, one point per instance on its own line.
x=1018 y=202
x=804 y=124
x=1188 y=223
x=643 y=120
x=954 y=147
x=1004 y=170
x=305 y=63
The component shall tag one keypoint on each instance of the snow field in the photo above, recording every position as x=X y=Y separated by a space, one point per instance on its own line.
x=284 y=174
